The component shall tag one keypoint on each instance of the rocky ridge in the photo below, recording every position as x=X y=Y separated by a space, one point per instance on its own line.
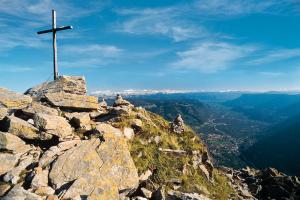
x=56 y=142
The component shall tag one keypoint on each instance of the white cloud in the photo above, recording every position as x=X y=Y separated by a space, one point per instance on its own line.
x=210 y=57
x=241 y=7
x=162 y=21
x=275 y=55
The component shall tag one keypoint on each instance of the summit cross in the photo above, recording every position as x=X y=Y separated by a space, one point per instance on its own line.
x=53 y=31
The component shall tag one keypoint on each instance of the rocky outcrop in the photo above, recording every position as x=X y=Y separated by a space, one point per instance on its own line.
x=65 y=84
x=72 y=101
x=13 y=100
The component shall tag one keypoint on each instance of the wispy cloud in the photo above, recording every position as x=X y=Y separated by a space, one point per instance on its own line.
x=272 y=56
x=210 y=57
x=242 y=7
x=161 y=21
x=90 y=55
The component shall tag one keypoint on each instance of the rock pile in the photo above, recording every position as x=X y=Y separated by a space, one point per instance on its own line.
x=52 y=148
x=178 y=125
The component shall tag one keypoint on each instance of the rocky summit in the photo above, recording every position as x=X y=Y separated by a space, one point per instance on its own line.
x=56 y=142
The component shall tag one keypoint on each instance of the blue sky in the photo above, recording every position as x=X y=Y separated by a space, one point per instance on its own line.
x=172 y=44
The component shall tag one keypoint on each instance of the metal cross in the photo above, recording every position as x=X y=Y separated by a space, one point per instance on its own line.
x=54 y=30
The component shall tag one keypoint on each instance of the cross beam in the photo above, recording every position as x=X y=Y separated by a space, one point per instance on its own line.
x=53 y=31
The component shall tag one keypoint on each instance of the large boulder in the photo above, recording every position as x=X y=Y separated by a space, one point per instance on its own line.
x=13 y=100
x=52 y=124
x=20 y=128
x=118 y=164
x=72 y=101
x=66 y=84
x=96 y=169
x=51 y=154
x=77 y=162
x=10 y=142
x=36 y=107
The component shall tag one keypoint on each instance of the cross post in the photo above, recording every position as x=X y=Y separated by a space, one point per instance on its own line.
x=54 y=30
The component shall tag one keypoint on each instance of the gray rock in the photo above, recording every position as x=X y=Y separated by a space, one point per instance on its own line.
x=79 y=120
x=52 y=124
x=75 y=163
x=121 y=102
x=66 y=84
x=175 y=195
x=12 y=143
x=13 y=175
x=128 y=133
x=18 y=193
x=40 y=178
x=21 y=128
x=13 y=100
x=51 y=154
x=72 y=101
x=8 y=162
x=178 y=125
x=36 y=107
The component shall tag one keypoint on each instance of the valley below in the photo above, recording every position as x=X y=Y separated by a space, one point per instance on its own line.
x=232 y=124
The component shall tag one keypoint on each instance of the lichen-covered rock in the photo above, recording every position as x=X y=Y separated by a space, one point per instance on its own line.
x=52 y=124
x=72 y=101
x=75 y=163
x=13 y=100
x=52 y=153
x=12 y=143
x=36 y=107
x=18 y=193
x=20 y=128
x=66 y=84
x=79 y=120
x=118 y=164
x=8 y=162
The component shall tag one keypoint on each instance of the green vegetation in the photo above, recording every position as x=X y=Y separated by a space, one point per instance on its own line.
x=155 y=134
